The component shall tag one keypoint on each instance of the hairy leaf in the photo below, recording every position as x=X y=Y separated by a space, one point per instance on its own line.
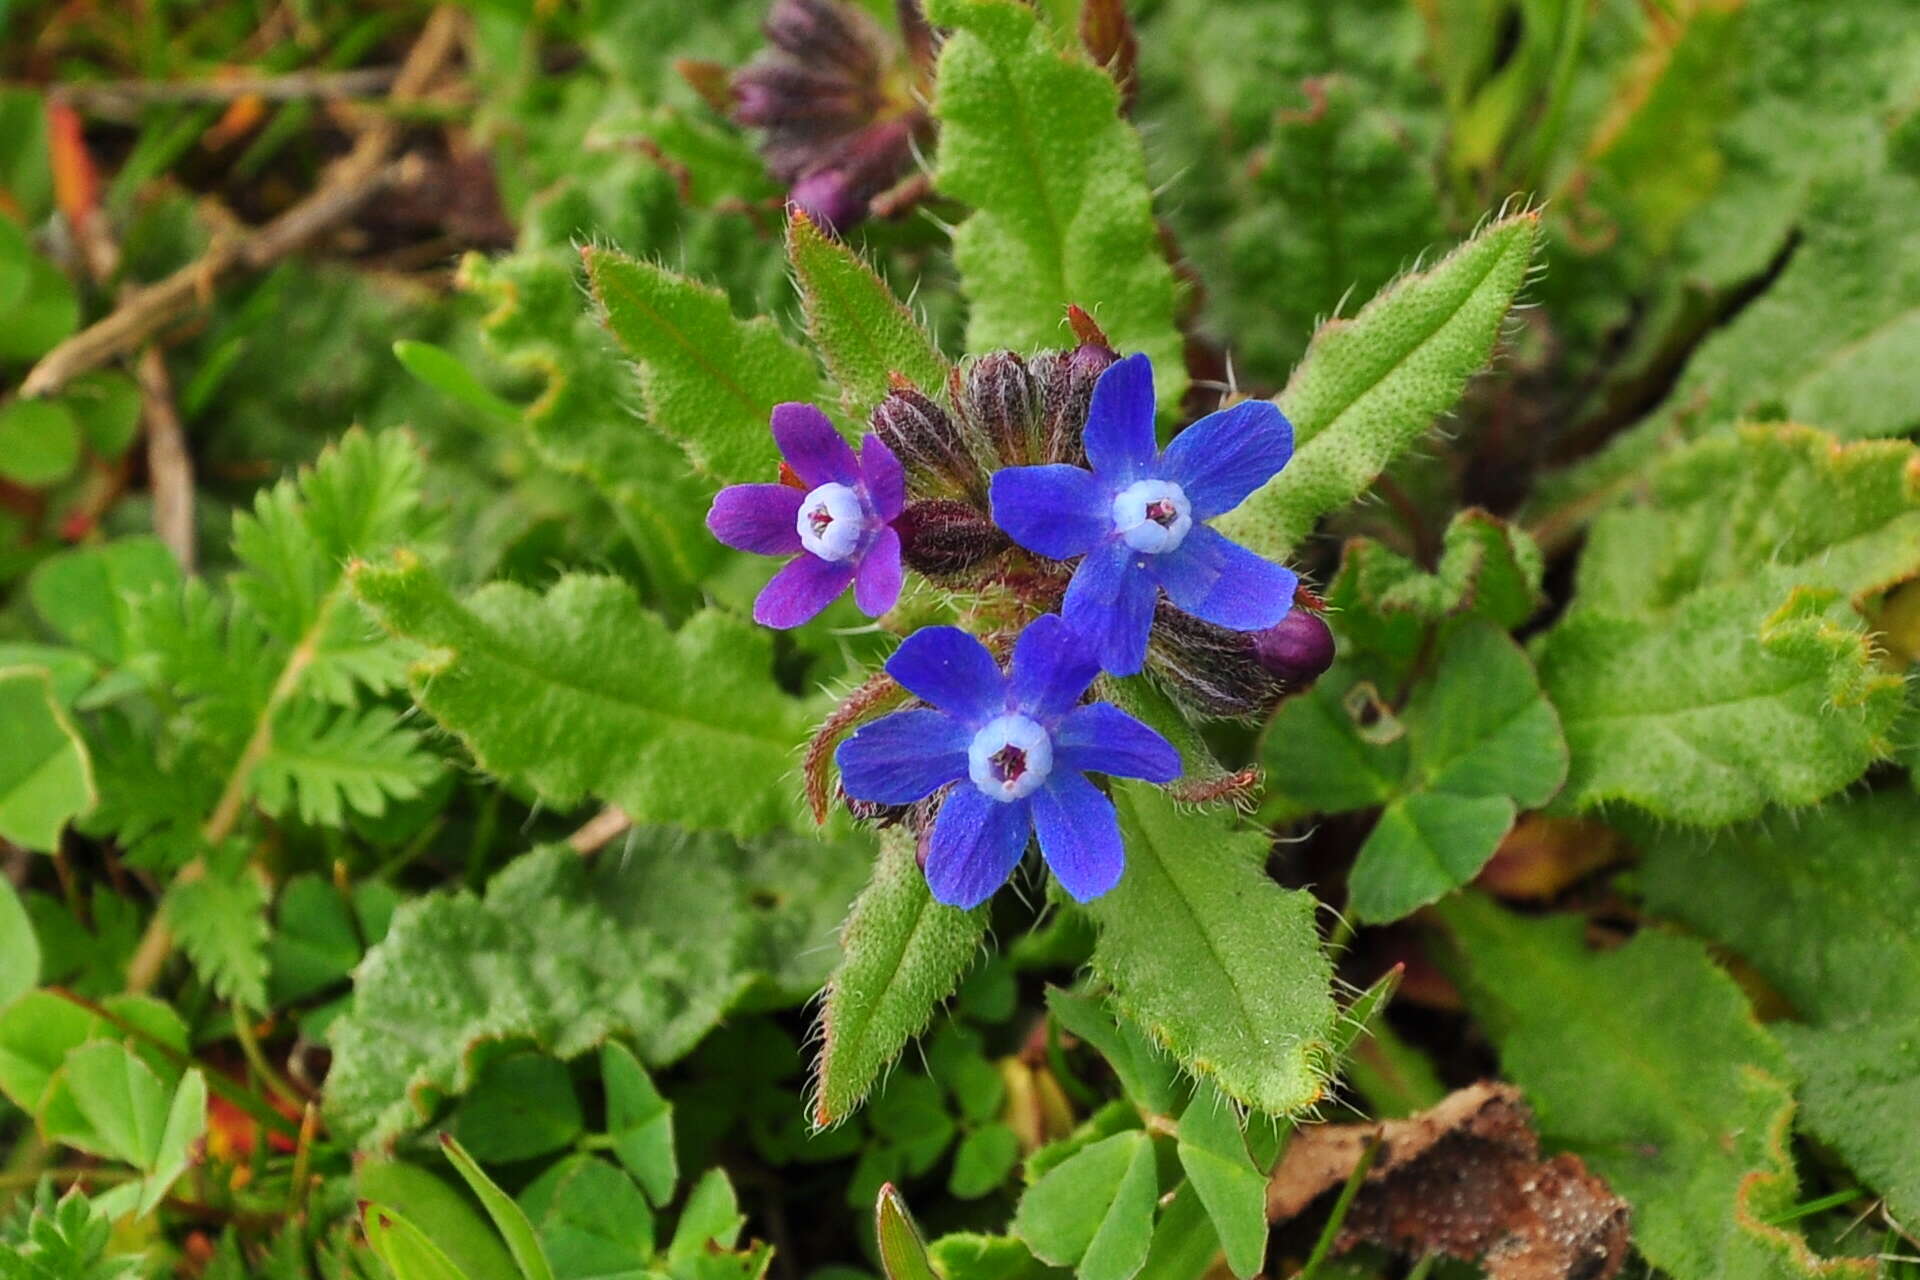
x=1710 y=664
x=581 y=692
x=1370 y=387
x=1823 y=909
x=1647 y=1063
x=710 y=381
x=1385 y=603
x=653 y=943
x=1216 y=961
x=1032 y=139
x=863 y=332
x=585 y=420
x=903 y=954
x=46 y=777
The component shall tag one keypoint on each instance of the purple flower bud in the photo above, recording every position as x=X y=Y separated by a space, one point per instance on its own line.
x=1208 y=669
x=941 y=459
x=1297 y=648
x=998 y=397
x=820 y=32
x=1066 y=381
x=943 y=537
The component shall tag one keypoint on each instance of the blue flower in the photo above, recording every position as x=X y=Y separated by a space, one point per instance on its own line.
x=1138 y=518
x=1017 y=746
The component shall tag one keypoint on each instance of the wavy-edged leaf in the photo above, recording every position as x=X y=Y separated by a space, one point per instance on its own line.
x=46 y=776
x=1710 y=664
x=581 y=692
x=654 y=944
x=1647 y=1063
x=1824 y=910
x=1032 y=138
x=1384 y=602
x=1370 y=387
x=709 y=380
x=862 y=331
x=903 y=953
x=1215 y=960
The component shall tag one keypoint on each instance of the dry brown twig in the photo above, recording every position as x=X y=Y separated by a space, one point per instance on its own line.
x=357 y=177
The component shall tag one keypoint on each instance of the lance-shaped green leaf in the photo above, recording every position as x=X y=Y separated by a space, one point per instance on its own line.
x=903 y=953
x=1215 y=960
x=582 y=692
x=1711 y=663
x=1094 y=1210
x=654 y=944
x=1385 y=603
x=1370 y=387
x=903 y=1254
x=709 y=380
x=1476 y=744
x=46 y=777
x=1213 y=1151
x=506 y=1215
x=408 y=1252
x=1032 y=138
x=1824 y=909
x=863 y=332
x=1647 y=1063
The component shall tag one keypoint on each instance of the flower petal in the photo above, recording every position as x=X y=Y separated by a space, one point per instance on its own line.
x=1222 y=582
x=1079 y=836
x=1110 y=602
x=757 y=517
x=1104 y=739
x=1119 y=436
x=1225 y=456
x=812 y=447
x=884 y=477
x=903 y=757
x=1052 y=666
x=804 y=586
x=953 y=671
x=877 y=585
x=976 y=844
x=1055 y=510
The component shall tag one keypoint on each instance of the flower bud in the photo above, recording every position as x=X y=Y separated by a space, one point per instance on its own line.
x=997 y=395
x=939 y=457
x=943 y=537
x=1297 y=648
x=1209 y=669
x=1066 y=381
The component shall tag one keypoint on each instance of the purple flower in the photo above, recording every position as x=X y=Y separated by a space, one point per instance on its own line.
x=1016 y=747
x=1137 y=519
x=840 y=523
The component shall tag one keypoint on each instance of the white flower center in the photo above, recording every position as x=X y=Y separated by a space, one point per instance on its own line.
x=831 y=522
x=1010 y=758
x=1152 y=515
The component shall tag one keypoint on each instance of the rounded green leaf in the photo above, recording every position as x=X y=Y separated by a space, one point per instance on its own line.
x=39 y=442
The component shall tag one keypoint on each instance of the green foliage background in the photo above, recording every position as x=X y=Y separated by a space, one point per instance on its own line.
x=409 y=861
